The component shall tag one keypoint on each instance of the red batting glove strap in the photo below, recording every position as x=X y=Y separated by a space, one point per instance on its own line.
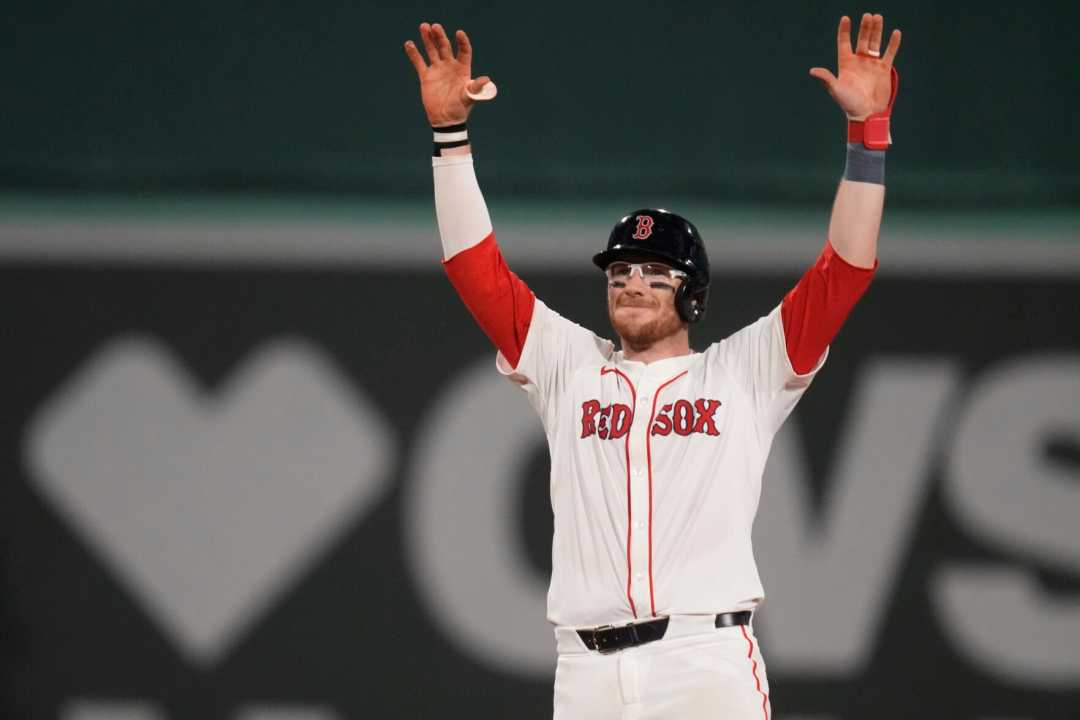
x=873 y=132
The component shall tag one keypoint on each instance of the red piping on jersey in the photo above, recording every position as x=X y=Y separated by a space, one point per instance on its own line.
x=629 y=512
x=753 y=669
x=813 y=311
x=648 y=459
x=501 y=303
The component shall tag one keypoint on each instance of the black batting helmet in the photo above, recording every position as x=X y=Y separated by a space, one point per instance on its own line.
x=661 y=235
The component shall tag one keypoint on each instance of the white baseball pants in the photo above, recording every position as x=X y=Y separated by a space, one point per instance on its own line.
x=695 y=672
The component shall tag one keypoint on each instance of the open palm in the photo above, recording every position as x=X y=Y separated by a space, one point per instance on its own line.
x=865 y=74
x=445 y=80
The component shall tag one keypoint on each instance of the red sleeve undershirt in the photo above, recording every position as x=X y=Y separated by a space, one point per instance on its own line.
x=814 y=310
x=501 y=303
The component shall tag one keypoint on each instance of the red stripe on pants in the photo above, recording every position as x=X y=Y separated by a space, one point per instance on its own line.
x=753 y=669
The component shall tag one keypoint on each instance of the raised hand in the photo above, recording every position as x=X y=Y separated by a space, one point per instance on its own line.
x=446 y=81
x=865 y=80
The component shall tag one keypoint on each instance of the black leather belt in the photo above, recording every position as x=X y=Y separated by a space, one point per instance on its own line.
x=733 y=619
x=609 y=638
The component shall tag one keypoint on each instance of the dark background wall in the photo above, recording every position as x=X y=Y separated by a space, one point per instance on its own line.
x=255 y=463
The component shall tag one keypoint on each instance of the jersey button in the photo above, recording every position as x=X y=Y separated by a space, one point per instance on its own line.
x=640 y=524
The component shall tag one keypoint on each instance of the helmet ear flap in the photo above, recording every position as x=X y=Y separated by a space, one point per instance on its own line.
x=691 y=301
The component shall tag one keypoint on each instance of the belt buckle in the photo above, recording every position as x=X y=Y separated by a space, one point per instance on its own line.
x=596 y=639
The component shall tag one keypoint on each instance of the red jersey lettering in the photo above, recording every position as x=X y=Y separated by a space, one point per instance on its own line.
x=662 y=426
x=589 y=408
x=684 y=417
x=608 y=422
x=620 y=421
x=601 y=427
x=706 y=416
x=611 y=422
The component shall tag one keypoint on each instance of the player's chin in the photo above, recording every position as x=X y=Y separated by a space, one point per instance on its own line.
x=640 y=325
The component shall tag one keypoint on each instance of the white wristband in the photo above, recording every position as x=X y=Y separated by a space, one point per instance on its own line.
x=450 y=136
x=443 y=137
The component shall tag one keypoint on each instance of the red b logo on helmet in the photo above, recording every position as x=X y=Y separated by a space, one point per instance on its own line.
x=644 y=227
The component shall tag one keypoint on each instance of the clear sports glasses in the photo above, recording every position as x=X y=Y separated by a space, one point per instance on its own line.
x=657 y=275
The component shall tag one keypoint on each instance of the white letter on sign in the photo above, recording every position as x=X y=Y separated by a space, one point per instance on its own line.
x=1007 y=490
x=829 y=575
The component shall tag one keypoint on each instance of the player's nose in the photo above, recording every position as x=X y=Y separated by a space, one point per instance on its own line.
x=637 y=283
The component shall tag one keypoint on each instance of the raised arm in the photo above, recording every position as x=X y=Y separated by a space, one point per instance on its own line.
x=499 y=301
x=865 y=90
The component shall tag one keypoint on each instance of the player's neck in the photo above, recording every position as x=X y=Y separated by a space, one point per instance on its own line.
x=674 y=345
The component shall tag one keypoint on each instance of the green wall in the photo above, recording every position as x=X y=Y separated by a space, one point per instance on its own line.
x=596 y=99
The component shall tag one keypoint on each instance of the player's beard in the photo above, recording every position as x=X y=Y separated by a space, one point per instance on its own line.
x=638 y=334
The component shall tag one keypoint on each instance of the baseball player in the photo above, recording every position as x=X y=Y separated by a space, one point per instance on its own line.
x=657 y=450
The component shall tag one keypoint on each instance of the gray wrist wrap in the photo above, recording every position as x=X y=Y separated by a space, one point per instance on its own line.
x=864 y=165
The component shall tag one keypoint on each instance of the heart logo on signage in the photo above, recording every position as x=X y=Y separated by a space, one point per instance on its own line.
x=208 y=506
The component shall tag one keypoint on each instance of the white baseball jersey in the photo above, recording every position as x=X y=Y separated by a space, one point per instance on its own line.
x=655 y=468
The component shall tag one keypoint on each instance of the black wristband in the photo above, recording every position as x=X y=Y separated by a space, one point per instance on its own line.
x=864 y=165
x=449 y=136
